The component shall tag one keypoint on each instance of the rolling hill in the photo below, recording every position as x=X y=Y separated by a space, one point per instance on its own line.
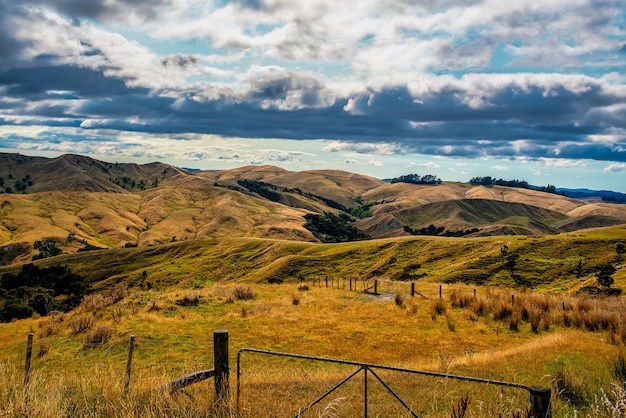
x=83 y=204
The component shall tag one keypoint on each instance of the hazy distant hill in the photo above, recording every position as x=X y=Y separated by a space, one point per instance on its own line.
x=80 y=204
x=604 y=195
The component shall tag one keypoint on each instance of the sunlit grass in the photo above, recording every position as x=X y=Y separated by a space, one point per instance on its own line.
x=173 y=331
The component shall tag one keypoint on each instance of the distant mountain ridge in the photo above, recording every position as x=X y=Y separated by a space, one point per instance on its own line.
x=80 y=204
x=605 y=195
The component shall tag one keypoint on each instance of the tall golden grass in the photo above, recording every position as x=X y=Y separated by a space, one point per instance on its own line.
x=77 y=371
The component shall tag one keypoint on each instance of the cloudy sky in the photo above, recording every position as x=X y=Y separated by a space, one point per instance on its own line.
x=529 y=90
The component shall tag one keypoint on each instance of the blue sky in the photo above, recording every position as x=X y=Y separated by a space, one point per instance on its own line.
x=532 y=90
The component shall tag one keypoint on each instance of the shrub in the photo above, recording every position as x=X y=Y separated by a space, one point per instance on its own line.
x=119 y=291
x=15 y=311
x=242 y=292
x=48 y=328
x=303 y=287
x=117 y=313
x=95 y=303
x=81 y=323
x=190 y=299
x=99 y=336
x=44 y=348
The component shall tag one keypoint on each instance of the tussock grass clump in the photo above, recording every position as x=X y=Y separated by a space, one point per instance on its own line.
x=439 y=308
x=303 y=287
x=399 y=300
x=502 y=311
x=412 y=308
x=460 y=299
x=295 y=299
x=618 y=368
x=450 y=322
x=570 y=386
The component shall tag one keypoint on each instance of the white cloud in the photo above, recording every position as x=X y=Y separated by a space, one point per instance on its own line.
x=615 y=167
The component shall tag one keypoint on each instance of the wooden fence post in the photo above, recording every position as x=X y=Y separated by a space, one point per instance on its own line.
x=375 y=286
x=540 y=398
x=129 y=363
x=412 y=289
x=220 y=361
x=440 y=291
x=29 y=353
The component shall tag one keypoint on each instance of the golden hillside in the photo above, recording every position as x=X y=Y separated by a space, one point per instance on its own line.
x=81 y=204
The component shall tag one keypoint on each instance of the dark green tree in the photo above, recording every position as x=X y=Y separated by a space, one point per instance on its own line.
x=46 y=249
x=605 y=275
x=580 y=262
x=620 y=249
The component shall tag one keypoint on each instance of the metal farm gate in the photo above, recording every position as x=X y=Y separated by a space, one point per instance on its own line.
x=276 y=384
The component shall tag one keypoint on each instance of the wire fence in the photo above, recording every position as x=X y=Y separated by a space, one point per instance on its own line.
x=270 y=383
x=288 y=385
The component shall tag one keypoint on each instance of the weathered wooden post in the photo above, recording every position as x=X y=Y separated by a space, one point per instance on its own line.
x=129 y=363
x=540 y=398
x=29 y=353
x=563 y=304
x=440 y=291
x=474 y=293
x=220 y=362
x=326 y=281
x=412 y=289
x=512 y=299
x=375 y=286
x=350 y=283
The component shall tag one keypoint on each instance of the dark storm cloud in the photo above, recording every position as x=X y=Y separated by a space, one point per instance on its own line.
x=36 y=83
x=541 y=118
x=103 y=9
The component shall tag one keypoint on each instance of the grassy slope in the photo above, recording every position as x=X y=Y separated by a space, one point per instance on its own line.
x=544 y=263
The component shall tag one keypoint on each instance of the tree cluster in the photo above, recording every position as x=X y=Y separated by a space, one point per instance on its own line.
x=39 y=290
x=417 y=179
x=330 y=228
x=46 y=249
x=520 y=184
x=13 y=185
x=439 y=231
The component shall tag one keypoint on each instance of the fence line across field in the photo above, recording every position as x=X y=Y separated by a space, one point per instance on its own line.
x=219 y=374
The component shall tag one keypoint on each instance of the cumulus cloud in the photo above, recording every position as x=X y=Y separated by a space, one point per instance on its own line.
x=615 y=167
x=476 y=79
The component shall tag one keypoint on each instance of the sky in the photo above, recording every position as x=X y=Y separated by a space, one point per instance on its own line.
x=528 y=90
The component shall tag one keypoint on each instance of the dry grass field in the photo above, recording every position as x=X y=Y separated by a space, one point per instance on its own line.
x=572 y=344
